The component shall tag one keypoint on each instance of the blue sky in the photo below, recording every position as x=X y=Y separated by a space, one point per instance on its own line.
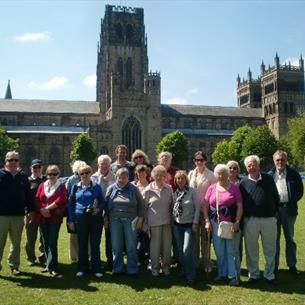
x=48 y=48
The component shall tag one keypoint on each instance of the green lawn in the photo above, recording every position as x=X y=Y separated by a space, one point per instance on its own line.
x=33 y=287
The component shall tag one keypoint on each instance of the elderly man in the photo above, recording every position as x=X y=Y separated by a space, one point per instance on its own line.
x=290 y=187
x=105 y=177
x=31 y=228
x=16 y=198
x=261 y=201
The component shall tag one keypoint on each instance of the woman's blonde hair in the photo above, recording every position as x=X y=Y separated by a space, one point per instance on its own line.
x=181 y=173
x=52 y=168
x=84 y=167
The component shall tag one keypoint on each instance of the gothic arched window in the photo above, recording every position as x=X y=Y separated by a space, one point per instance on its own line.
x=128 y=72
x=120 y=71
x=132 y=134
x=119 y=32
x=129 y=32
x=54 y=156
x=30 y=154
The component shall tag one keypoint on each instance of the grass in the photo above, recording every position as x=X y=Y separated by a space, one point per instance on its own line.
x=33 y=287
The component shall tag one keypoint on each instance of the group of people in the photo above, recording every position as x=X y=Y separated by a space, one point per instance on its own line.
x=153 y=215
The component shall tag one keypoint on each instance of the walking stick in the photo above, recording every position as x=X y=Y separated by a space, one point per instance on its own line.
x=235 y=258
x=208 y=253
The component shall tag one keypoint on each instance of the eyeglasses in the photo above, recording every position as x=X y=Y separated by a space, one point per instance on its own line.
x=199 y=160
x=52 y=174
x=84 y=173
x=138 y=157
x=234 y=168
x=12 y=160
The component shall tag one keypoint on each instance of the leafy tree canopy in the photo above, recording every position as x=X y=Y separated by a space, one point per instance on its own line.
x=7 y=144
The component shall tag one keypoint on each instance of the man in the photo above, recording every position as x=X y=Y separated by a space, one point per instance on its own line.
x=121 y=154
x=105 y=177
x=16 y=198
x=290 y=187
x=261 y=201
x=31 y=228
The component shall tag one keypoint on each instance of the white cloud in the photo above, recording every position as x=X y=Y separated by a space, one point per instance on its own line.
x=90 y=81
x=29 y=37
x=293 y=61
x=176 y=100
x=57 y=82
x=192 y=91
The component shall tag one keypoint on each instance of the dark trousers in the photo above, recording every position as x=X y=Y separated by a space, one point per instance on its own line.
x=108 y=245
x=89 y=227
x=50 y=233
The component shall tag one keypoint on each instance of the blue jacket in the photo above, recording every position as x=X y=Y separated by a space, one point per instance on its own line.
x=295 y=188
x=80 y=198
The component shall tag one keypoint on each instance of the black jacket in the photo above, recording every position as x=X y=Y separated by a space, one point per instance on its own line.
x=15 y=194
x=294 y=186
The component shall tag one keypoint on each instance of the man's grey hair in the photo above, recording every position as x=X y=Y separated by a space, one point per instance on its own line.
x=102 y=158
x=250 y=158
x=280 y=152
x=123 y=171
x=76 y=165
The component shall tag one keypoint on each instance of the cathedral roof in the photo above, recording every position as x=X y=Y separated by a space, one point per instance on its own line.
x=48 y=106
x=194 y=110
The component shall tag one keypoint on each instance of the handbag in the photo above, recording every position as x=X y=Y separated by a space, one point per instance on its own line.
x=225 y=228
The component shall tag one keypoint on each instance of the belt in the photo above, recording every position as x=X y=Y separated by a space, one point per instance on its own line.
x=283 y=204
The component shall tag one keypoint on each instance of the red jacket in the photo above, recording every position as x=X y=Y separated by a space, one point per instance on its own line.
x=60 y=199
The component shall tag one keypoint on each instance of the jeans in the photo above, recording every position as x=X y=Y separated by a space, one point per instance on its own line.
x=185 y=237
x=226 y=251
x=50 y=233
x=89 y=227
x=287 y=222
x=123 y=233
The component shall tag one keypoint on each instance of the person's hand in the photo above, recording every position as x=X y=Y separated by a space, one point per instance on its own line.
x=45 y=212
x=139 y=224
x=31 y=217
x=207 y=226
x=235 y=227
x=72 y=227
x=195 y=227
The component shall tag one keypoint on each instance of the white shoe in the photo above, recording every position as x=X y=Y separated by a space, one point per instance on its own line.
x=98 y=274
x=80 y=274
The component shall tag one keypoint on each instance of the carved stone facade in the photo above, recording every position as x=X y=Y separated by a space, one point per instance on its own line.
x=128 y=108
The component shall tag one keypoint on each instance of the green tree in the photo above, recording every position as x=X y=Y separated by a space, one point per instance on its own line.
x=221 y=153
x=176 y=143
x=260 y=141
x=295 y=138
x=83 y=149
x=7 y=144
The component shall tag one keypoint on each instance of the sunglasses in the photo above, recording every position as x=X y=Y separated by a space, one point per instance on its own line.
x=12 y=160
x=199 y=160
x=84 y=173
x=138 y=157
x=36 y=166
x=52 y=174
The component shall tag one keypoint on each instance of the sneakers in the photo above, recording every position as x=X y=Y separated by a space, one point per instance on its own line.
x=80 y=274
x=31 y=263
x=208 y=269
x=233 y=282
x=15 y=271
x=98 y=274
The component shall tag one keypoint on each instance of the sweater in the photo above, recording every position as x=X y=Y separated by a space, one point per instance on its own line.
x=15 y=194
x=261 y=198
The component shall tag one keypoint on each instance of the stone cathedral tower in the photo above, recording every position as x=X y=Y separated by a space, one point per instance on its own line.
x=129 y=96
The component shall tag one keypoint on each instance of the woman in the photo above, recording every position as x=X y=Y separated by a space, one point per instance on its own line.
x=158 y=198
x=140 y=158
x=105 y=177
x=126 y=210
x=141 y=173
x=229 y=200
x=51 y=200
x=86 y=204
x=72 y=180
x=186 y=218
x=200 y=179
x=233 y=167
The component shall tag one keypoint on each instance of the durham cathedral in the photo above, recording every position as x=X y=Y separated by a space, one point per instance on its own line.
x=128 y=107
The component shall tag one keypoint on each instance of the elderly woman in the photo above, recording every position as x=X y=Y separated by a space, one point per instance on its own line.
x=233 y=167
x=224 y=203
x=72 y=180
x=140 y=158
x=105 y=177
x=51 y=200
x=186 y=218
x=159 y=202
x=86 y=204
x=165 y=159
x=200 y=179
x=126 y=210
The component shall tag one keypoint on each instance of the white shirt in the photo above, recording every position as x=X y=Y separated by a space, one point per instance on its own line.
x=281 y=185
